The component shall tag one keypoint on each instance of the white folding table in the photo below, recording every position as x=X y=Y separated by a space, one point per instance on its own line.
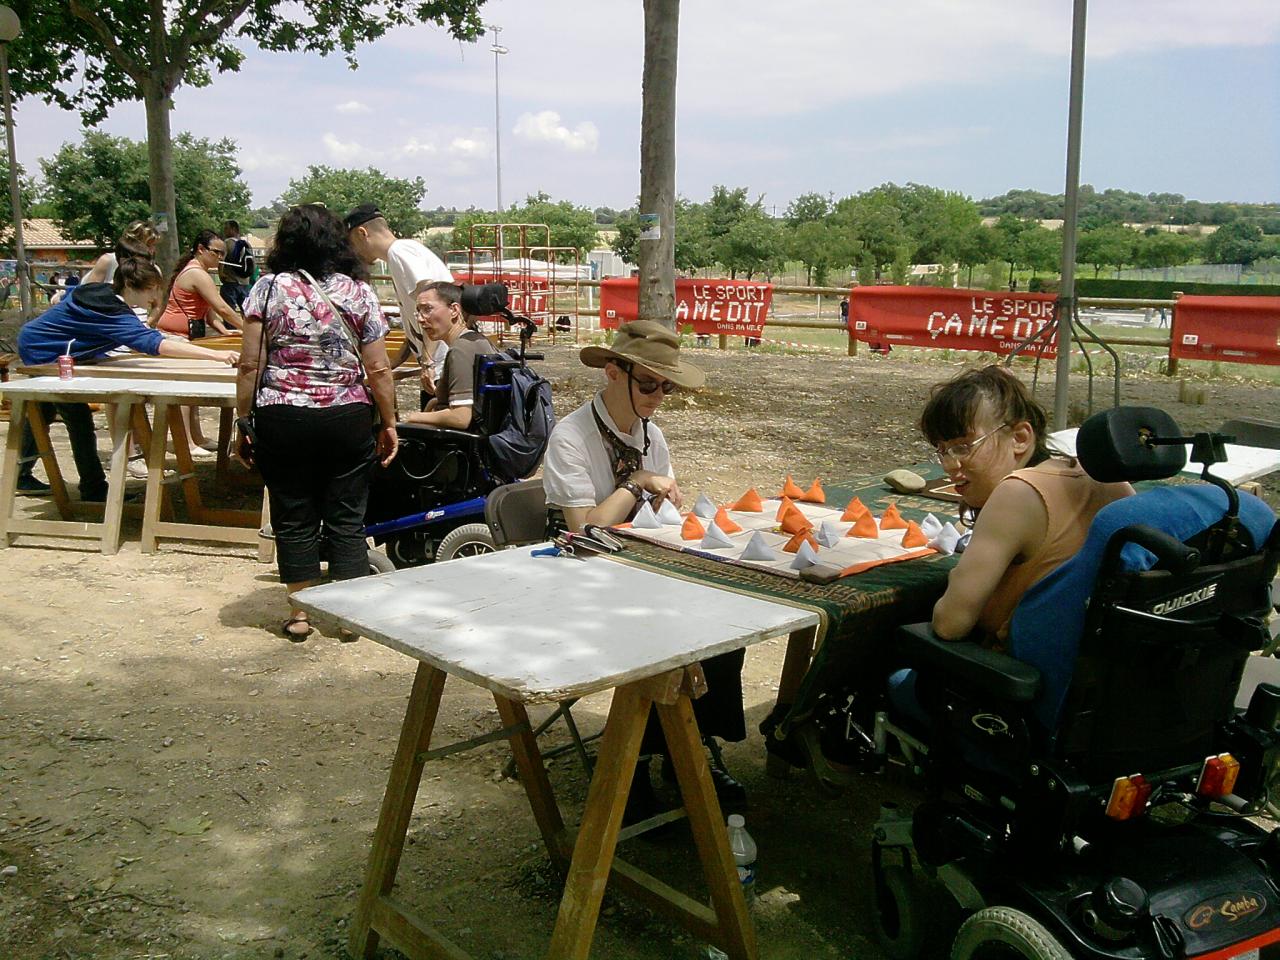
x=541 y=630
x=124 y=399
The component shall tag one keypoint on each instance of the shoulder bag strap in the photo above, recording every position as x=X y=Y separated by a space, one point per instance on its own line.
x=346 y=321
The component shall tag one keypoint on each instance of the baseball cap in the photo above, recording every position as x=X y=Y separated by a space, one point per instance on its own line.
x=361 y=215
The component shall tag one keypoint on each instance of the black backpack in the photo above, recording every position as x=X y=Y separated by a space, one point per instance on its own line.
x=517 y=446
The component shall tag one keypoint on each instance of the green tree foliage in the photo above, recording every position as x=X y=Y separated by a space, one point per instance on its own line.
x=814 y=243
x=1160 y=248
x=1098 y=207
x=1237 y=242
x=88 y=57
x=342 y=189
x=1040 y=250
x=1110 y=245
x=96 y=187
x=571 y=226
x=870 y=224
x=807 y=208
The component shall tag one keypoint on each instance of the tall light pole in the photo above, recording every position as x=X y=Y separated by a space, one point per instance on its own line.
x=10 y=27
x=498 y=50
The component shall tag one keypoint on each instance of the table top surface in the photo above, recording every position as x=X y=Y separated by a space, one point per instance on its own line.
x=1243 y=463
x=144 y=367
x=543 y=629
x=124 y=387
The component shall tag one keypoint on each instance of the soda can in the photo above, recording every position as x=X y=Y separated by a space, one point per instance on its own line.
x=66 y=367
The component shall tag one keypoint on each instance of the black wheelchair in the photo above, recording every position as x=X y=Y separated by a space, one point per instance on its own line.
x=429 y=503
x=1092 y=794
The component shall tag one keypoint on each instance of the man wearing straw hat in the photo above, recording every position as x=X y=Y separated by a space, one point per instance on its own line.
x=603 y=461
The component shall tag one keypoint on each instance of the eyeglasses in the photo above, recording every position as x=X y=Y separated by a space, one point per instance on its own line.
x=649 y=387
x=965 y=448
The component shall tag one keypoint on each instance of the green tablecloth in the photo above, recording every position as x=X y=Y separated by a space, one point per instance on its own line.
x=859 y=613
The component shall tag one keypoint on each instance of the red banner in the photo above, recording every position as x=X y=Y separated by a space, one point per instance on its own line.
x=949 y=319
x=1232 y=329
x=737 y=307
x=527 y=296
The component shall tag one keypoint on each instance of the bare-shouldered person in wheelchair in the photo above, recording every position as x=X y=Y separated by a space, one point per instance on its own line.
x=1091 y=770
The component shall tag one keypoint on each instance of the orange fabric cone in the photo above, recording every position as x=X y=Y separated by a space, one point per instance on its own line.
x=789 y=489
x=891 y=519
x=864 y=526
x=814 y=494
x=914 y=537
x=793 y=521
x=749 y=502
x=853 y=511
x=725 y=522
x=787 y=504
x=804 y=536
x=692 y=529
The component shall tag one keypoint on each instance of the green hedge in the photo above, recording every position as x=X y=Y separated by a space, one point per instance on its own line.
x=1163 y=289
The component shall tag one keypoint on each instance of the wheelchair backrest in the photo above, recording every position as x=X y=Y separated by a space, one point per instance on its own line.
x=1141 y=654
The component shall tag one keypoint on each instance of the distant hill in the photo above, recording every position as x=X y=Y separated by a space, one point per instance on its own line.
x=1122 y=206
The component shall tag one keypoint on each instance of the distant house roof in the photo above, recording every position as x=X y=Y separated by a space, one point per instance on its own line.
x=39 y=233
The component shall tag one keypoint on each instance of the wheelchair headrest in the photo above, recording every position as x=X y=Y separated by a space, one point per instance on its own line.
x=1111 y=445
x=484 y=299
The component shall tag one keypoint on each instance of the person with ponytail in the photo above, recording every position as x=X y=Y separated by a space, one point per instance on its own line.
x=192 y=303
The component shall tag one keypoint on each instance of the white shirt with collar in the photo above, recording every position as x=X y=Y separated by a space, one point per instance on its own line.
x=577 y=470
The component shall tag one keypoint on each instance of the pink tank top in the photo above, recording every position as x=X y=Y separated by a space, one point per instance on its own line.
x=184 y=306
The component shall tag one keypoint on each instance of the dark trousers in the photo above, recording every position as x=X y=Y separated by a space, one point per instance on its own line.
x=718 y=711
x=316 y=462
x=235 y=295
x=84 y=446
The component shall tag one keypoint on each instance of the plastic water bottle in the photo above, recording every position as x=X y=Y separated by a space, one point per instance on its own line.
x=743 y=849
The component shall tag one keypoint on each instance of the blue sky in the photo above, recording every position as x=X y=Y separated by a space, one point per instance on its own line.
x=1180 y=96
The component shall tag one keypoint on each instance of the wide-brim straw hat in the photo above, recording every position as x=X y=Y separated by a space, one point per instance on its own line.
x=649 y=344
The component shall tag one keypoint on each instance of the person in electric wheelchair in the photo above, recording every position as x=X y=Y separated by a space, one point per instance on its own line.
x=439 y=309
x=603 y=461
x=1086 y=793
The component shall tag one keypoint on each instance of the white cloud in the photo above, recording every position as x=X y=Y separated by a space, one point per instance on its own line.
x=545 y=127
x=468 y=147
x=345 y=151
x=353 y=106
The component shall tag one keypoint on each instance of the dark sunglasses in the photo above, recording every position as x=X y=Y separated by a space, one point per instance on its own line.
x=649 y=387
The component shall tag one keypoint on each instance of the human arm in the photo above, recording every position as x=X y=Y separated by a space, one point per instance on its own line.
x=250 y=355
x=1011 y=525
x=202 y=283
x=377 y=371
x=172 y=347
x=455 y=418
x=98 y=273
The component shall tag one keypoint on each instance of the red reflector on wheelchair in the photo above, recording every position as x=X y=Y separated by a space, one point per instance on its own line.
x=1129 y=797
x=1218 y=776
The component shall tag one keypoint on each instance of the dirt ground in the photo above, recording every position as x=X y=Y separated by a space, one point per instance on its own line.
x=178 y=781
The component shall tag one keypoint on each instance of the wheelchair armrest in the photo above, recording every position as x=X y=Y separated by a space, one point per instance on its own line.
x=974 y=667
x=426 y=431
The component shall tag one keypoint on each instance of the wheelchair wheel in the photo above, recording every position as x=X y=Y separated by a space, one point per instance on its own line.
x=1003 y=933
x=900 y=917
x=468 y=540
x=408 y=550
x=379 y=562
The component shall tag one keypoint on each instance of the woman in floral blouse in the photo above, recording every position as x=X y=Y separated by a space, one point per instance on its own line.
x=312 y=327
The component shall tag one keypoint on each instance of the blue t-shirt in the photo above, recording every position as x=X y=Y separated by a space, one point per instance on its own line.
x=95 y=319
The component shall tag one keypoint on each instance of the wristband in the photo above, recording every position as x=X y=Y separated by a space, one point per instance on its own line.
x=632 y=488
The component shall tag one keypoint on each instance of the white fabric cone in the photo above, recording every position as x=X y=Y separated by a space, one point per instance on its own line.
x=946 y=540
x=930 y=526
x=716 y=539
x=669 y=515
x=805 y=557
x=828 y=534
x=704 y=507
x=757 y=549
x=645 y=518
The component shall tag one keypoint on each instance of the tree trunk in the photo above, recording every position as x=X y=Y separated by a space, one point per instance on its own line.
x=159 y=104
x=657 y=258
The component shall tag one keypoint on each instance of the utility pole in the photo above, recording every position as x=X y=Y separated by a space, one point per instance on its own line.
x=498 y=50
x=657 y=243
x=10 y=28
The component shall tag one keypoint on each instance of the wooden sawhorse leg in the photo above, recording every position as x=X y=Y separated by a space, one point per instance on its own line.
x=119 y=415
x=57 y=485
x=726 y=923
x=9 y=471
x=795 y=664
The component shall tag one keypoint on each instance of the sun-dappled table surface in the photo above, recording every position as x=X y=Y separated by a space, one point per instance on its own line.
x=541 y=629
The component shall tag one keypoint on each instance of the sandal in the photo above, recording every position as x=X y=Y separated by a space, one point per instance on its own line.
x=347 y=636
x=293 y=635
